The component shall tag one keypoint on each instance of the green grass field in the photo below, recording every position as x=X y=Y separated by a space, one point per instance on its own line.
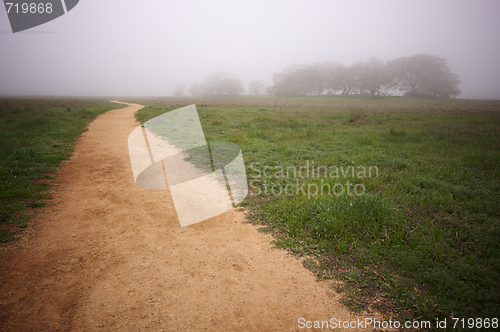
x=35 y=136
x=396 y=198
x=420 y=238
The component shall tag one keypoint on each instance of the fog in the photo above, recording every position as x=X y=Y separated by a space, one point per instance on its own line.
x=145 y=48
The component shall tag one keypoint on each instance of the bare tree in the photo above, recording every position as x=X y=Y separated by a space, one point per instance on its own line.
x=256 y=87
x=179 y=90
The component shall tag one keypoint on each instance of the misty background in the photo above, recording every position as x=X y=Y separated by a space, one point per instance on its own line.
x=146 y=48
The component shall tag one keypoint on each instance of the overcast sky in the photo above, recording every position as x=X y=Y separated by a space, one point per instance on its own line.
x=145 y=48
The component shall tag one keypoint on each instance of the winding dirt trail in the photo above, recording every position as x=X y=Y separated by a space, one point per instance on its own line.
x=110 y=255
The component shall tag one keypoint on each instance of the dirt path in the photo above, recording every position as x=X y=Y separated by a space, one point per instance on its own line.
x=112 y=256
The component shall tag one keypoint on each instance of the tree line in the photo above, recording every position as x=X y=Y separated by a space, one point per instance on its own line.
x=421 y=75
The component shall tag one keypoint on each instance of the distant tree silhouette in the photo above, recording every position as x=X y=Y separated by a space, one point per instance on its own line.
x=256 y=87
x=220 y=83
x=420 y=75
x=424 y=75
x=194 y=89
x=371 y=76
x=179 y=90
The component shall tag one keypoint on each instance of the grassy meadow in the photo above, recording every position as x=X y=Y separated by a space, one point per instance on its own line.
x=417 y=237
x=36 y=135
x=397 y=199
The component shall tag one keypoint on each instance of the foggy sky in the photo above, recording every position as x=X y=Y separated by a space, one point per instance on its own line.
x=145 y=48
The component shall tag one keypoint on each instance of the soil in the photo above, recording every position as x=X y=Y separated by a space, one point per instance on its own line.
x=108 y=255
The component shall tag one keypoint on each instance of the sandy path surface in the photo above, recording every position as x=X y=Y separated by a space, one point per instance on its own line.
x=110 y=255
